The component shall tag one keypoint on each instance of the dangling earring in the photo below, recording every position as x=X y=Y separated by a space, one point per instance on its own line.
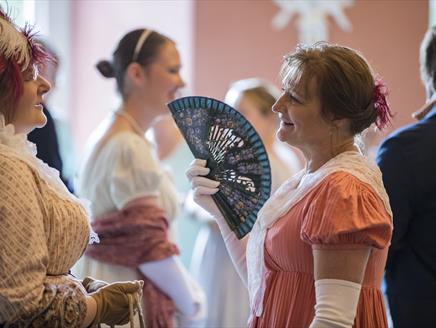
x=331 y=133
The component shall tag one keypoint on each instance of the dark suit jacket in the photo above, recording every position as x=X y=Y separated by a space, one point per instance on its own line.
x=407 y=159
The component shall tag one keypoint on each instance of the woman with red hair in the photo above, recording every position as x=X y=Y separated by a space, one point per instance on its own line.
x=44 y=229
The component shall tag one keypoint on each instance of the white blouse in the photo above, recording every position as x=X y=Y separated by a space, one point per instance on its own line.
x=124 y=169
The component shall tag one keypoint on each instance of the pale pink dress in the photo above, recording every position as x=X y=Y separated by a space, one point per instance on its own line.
x=340 y=212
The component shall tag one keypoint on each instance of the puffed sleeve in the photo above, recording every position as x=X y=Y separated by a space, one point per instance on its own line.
x=135 y=171
x=343 y=210
x=27 y=294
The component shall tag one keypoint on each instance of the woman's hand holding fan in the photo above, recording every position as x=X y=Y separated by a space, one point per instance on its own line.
x=235 y=157
x=203 y=189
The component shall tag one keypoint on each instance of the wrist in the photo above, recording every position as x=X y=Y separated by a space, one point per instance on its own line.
x=198 y=314
x=224 y=228
x=91 y=312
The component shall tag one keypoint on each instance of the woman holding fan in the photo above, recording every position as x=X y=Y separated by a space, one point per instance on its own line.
x=227 y=297
x=133 y=200
x=317 y=252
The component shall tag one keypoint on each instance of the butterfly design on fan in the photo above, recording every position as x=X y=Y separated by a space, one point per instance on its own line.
x=235 y=155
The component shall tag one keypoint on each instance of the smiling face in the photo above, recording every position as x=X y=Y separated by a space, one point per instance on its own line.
x=28 y=114
x=163 y=78
x=302 y=123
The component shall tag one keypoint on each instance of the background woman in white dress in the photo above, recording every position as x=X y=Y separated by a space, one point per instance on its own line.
x=133 y=201
x=227 y=298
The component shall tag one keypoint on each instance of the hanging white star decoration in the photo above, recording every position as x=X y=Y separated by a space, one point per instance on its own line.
x=312 y=17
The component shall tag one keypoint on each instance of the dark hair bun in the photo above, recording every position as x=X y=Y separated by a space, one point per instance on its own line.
x=105 y=68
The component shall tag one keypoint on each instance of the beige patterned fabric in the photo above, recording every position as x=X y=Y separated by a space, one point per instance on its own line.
x=42 y=234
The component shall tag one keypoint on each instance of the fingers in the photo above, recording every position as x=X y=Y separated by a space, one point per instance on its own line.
x=204 y=186
x=124 y=287
x=198 y=162
x=86 y=281
x=203 y=191
x=200 y=184
x=197 y=169
x=204 y=182
x=132 y=286
x=91 y=285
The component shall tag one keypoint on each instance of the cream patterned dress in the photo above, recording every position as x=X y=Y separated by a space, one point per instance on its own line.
x=44 y=230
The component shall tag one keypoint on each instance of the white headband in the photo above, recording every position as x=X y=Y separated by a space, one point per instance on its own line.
x=145 y=34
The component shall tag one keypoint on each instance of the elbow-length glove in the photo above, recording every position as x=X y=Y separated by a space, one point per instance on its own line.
x=203 y=189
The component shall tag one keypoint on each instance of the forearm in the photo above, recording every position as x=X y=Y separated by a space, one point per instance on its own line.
x=169 y=277
x=91 y=310
x=203 y=189
x=338 y=277
x=236 y=247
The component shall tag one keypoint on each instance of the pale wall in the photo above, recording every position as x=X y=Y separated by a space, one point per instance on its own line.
x=234 y=39
x=222 y=41
x=97 y=27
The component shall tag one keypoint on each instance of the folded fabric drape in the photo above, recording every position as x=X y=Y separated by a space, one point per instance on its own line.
x=130 y=237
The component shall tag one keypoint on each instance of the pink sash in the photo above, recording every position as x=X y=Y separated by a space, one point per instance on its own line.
x=133 y=236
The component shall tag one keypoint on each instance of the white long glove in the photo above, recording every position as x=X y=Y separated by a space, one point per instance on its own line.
x=203 y=189
x=170 y=276
x=336 y=303
x=199 y=317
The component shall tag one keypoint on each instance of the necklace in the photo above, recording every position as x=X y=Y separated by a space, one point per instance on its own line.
x=132 y=122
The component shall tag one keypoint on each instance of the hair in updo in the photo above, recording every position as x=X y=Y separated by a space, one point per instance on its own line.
x=344 y=84
x=105 y=68
x=124 y=53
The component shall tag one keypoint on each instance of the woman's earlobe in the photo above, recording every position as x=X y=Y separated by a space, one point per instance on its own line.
x=339 y=123
x=135 y=72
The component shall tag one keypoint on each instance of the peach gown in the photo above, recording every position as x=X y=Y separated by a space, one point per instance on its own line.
x=359 y=217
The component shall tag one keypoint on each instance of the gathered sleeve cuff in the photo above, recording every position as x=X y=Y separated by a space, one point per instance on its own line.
x=346 y=212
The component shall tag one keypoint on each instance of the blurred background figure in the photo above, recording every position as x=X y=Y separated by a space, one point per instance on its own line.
x=253 y=98
x=407 y=160
x=133 y=200
x=46 y=138
x=175 y=156
x=227 y=297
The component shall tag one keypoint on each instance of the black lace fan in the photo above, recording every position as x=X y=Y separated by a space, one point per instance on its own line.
x=235 y=155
